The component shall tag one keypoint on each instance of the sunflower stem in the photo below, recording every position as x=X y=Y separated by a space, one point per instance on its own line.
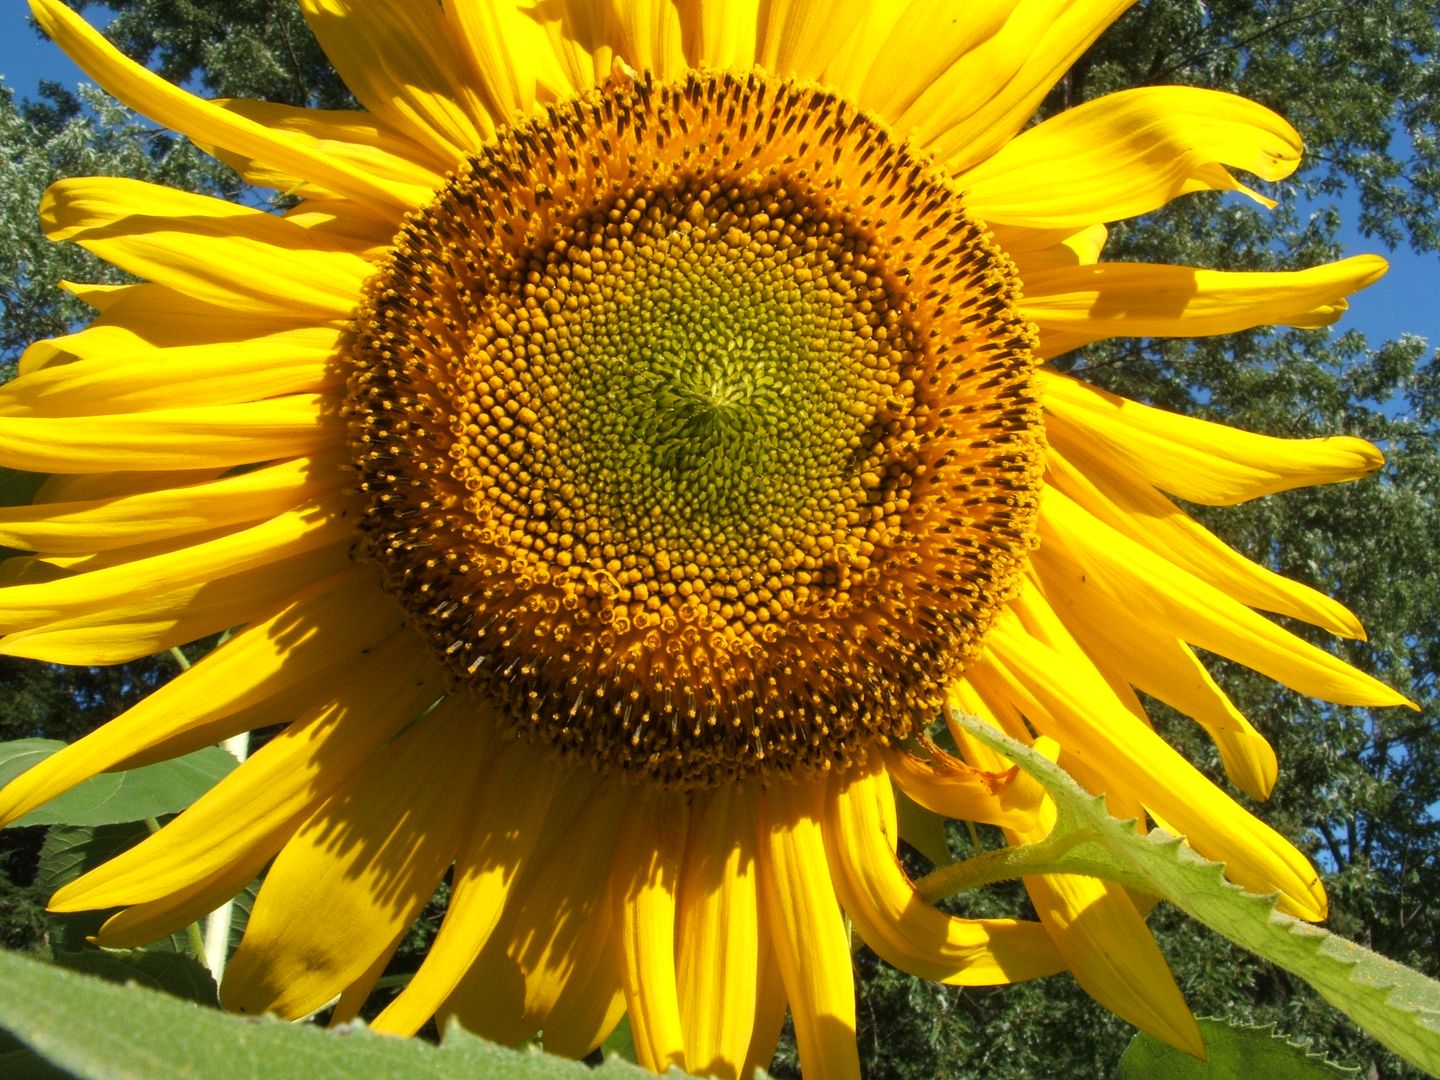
x=217 y=923
x=1046 y=857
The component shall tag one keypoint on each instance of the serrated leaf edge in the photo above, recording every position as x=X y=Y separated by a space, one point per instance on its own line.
x=1351 y=980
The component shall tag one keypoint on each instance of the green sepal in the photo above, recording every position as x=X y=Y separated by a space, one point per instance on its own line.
x=99 y=1031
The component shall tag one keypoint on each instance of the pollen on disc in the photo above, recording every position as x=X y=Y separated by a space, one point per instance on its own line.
x=696 y=430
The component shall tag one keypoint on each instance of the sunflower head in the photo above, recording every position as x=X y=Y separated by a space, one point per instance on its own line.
x=696 y=428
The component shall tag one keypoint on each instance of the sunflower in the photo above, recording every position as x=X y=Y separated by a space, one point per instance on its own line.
x=629 y=451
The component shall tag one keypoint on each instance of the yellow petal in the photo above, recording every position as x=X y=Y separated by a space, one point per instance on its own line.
x=1129 y=153
x=717 y=930
x=103 y=486
x=726 y=35
x=356 y=138
x=1080 y=304
x=583 y=36
x=897 y=922
x=206 y=436
x=770 y=1007
x=206 y=248
x=566 y=929
x=1124 y=500
x=514 y=984
x=1167 y=599
x=1050 y=249
x=1197 y=460
x=114 y=375
x=652 y=37
x=591 y=1003
x=643 y=894
x=310 y=760
x=520 y=812
x=144 y=623
x=507 y=53
x=797 y=902
x=100 y=524
x=1062 y=694
x=948 y=786
x=1113 y=955
x=1097 y=927
x=994 y=88
x=208 y=124
x=353 y=997
x=28 y=570
x=967 y=695
x=973 y=697
x=300 y=529
x=84 y=563
x=337 y=223
x=324 y=625
x=1168 y=670
x=158 y=316
x=353 y=877
x=799 y=38
x=984 y=696
x=98 y=297
x=404 y=64
x=926 y=33
x=318 y=626
x=141 y=924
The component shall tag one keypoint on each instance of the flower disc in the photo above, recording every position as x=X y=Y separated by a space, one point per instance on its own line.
x=696 y=429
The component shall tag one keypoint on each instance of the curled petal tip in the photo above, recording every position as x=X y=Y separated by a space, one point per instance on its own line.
x=1371 y=269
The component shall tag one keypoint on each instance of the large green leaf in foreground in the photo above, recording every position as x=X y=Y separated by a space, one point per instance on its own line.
x=1398 y=1006
x=98 y=1031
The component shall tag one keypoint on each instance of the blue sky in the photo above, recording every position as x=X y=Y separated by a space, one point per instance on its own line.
x=1406 y=300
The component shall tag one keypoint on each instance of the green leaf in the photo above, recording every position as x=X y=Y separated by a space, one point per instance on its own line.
x=240 y=908
x=1398 y=1006
x=167 y=787
x=71 y=850
x=177 y=974
x=621 y=1042
x=18 y=489
x=1234 y=1053
x=99 y=1031
x=19 y=1062
x=68 y=852
x=20 y=755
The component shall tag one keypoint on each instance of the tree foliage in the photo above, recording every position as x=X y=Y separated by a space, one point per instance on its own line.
x=242 y=48
x=1359 y=788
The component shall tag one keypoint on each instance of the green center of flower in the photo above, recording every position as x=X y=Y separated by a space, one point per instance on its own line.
x=708 y=367
x=699 y=446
